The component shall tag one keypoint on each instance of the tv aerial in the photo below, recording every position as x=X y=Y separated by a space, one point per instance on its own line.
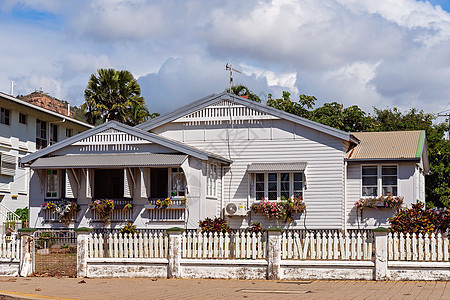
x=229 y=67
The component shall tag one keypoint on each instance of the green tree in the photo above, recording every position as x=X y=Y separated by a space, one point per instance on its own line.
x=352 y=119
x=242 y=90
x=114 y=95
x=300 y=109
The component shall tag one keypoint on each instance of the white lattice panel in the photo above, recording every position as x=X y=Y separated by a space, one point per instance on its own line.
x=224 y=112
x=111 y=137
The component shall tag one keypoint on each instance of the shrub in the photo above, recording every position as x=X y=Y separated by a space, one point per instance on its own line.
x=420 y=220
x=22 y=213
x=255 y=228
x=128 y=229
x=216 y=225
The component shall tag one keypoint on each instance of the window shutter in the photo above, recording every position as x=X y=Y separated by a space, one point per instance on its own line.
x=128 y=184
x=8 y=164
x=71 y=185
x=145 y=174
x=89 y=182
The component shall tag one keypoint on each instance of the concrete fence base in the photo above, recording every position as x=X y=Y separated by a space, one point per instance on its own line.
x=273 y=267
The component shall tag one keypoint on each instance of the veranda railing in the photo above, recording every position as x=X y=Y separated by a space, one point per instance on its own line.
x=120 y=213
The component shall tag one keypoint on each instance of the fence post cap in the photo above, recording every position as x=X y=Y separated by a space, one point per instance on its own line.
x=274 y=229
x=380 y=229
x=175 y=229
x=83 y=229
x=23 y=230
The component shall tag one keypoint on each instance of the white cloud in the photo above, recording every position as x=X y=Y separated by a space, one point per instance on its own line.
x=355 y=52
x=284 y=80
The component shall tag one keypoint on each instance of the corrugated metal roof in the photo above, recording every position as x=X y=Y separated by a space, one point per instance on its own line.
x=388 y=145
x=109 y=160
x=272 y=167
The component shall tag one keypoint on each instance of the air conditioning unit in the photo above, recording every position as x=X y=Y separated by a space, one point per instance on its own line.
x=236 y=209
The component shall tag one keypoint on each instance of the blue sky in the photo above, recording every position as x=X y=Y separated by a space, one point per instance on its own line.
x=369 y=53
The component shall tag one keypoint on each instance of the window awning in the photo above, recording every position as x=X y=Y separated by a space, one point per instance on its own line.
x=276 y=167
x=109 y=161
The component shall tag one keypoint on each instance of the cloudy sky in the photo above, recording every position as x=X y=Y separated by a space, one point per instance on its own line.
x=370 y=53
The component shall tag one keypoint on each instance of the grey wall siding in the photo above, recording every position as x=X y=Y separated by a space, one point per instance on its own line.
x=275 y=141
x=372 y=218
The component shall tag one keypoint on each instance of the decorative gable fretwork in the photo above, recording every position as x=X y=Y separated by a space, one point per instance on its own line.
x=110 y=140
x=225 y=112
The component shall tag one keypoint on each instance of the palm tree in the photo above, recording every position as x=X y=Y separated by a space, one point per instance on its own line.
x=114 y=95
x=242 y=90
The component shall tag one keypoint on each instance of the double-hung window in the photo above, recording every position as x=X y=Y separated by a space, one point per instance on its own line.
x=41 y=134
x=52 y=188
x=277 y=186
x=53 y=134
x=4 y=116
x=379 y=180
x=178 y=182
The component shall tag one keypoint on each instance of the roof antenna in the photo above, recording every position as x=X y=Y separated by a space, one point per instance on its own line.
x=228 y=67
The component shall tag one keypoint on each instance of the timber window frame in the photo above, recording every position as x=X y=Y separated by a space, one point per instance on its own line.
x=53 y=137
x=5 y=116
x=272 y=186
x=177 y=182
x=52 y=184
x=379 y=180
x=23 y=118
x=41 y=134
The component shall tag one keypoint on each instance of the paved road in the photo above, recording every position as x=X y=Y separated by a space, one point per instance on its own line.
x=140 y=288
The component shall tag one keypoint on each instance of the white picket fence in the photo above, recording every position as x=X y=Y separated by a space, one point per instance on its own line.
x=239 y=245
x=147 y=245
x=326 y=246
x=9 y=247
x=418 y=247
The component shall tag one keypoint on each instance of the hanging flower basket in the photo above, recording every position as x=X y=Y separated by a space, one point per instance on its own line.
x=103 y=208
x=66 y=210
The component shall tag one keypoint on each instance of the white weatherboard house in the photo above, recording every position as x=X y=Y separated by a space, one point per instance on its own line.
x=226 y=149
x=24 y=129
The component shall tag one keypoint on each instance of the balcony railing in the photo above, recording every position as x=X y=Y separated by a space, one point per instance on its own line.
x=53 y=216
x=175 y=212
x=119 y=213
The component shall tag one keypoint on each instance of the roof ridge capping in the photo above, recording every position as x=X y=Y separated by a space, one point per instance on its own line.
x=214 y=98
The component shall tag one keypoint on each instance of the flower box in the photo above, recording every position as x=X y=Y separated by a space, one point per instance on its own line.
x=173 y=206
x=391 y=202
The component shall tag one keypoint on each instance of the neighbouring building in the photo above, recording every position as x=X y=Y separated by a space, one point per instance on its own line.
x=24 y=129
x=218 y=156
